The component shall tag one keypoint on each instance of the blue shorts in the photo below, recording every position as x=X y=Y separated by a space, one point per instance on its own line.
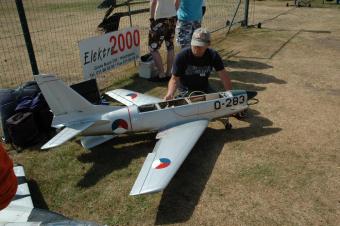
x=184 y=31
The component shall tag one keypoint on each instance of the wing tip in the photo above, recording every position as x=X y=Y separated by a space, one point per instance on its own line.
x=145 y=191
x=48 y=146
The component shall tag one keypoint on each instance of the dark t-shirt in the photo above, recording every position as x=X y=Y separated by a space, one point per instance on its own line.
x=195 y=71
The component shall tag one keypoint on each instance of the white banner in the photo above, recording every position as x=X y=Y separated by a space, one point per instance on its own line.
x=105 y=52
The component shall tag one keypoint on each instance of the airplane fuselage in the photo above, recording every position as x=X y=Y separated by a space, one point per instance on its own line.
x=165 y=114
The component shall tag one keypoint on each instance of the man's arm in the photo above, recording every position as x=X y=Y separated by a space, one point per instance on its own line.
x=153 y=4
x=177 y=4
x=172 y=86
x=225 y=79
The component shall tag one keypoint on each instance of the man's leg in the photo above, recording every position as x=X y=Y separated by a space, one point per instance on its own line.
x=184 y=32
x=156 y=37
x=158 y=62
x=169 y=43
x=195 y=25
x=170 y=60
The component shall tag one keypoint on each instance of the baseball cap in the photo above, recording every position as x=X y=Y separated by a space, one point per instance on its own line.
x=200 y=37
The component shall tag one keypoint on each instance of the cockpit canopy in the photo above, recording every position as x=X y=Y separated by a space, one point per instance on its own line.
x=179 y=102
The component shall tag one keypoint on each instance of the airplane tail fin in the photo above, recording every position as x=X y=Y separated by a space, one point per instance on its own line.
x=61 y=98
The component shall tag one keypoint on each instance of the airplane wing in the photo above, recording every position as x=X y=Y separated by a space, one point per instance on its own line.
x=66 y=134
x=168 y=155
x=128 y=97
x=89 y=142
x=21 y=211
x=21 y=205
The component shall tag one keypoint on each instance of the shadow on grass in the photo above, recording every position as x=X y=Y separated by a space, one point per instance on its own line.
x=246 y=80
x=106 y=158
x=36 y=195
x=246 y=64
x=181 y=196
x=217 y=85
x=254 y=77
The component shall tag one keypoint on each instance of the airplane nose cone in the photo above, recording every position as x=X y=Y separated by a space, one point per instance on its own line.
x=251 y=94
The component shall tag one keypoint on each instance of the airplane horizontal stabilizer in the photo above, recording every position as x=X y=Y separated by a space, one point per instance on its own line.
x=128 y=97
x=66 y=134
x=89 y=142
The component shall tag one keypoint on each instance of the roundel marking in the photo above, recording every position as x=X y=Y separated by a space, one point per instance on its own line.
x=132 y=95
x=161 y=163
x=119 y=126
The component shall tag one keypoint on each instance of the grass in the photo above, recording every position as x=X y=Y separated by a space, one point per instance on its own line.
x=67 y=6
x=73 y=179
x=263 y=173
x=270 y=169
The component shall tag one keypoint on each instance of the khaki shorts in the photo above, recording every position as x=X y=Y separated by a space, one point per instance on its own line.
x=162 y=30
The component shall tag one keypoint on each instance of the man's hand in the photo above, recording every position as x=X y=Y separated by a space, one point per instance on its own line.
x=224 y=76
x=172 y=86
x=169 y=96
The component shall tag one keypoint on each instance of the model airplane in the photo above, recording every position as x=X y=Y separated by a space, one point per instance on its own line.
x=21 y=210
x=179 y=122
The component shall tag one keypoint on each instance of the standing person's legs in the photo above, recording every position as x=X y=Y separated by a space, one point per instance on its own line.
x=156 y=37
x=169 y=42
x=195 y=25
x=170 y=60
x=156 y=56
x=184 y=31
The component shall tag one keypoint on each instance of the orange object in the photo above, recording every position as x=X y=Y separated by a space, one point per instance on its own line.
x=8 y=180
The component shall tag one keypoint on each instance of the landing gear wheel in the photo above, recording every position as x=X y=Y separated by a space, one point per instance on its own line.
x=228 y=126
x=241 y=115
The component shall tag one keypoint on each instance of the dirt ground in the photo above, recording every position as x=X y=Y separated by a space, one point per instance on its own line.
x=279 y=166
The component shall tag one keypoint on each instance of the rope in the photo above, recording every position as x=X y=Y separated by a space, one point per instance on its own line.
x=196 y=92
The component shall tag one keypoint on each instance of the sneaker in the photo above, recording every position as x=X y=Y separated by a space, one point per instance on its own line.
x=154 y=79
x=158 y=79
x=164 y=79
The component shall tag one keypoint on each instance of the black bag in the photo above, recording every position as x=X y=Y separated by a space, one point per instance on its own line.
x=22 y=129
x=29 y=88
x=8 y=102
x=89 y=90
x=7 y=105
x=40 y=109
x=42 y=113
